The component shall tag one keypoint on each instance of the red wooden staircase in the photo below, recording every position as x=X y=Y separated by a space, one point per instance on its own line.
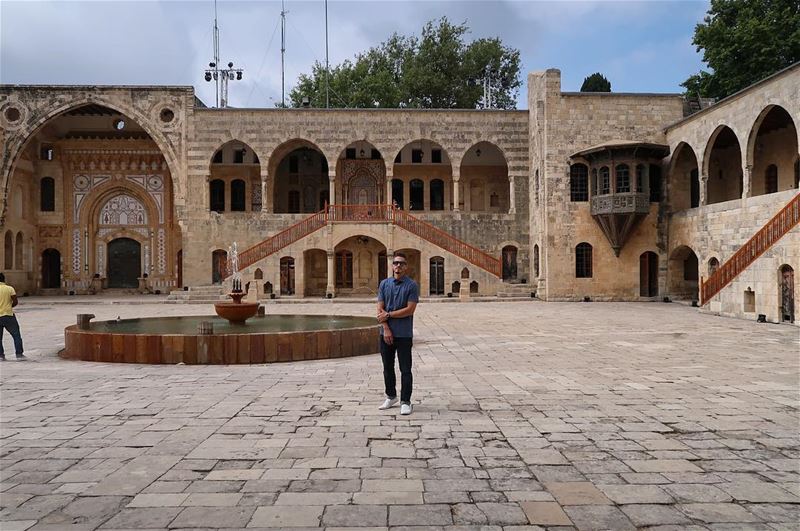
x=783 y=222
x=370 y=214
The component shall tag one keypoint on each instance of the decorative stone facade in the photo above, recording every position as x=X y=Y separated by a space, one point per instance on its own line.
x=153 y=165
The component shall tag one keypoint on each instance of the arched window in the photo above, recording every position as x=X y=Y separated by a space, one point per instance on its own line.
x=694 y=191
x=536 y=260
x=397 y=193
x=583 y=260
x=18 y=252
x=640 y=178
x=219 y=266
x=578 y=182
x=9 y=250
x=417 y=195
x=237 y=195
x=344 y=269
x=216 y=190
x=437 y=194
x=713 y=265
x=605 y=181
x=47 y=194
x=771 y=179
x=623 y=178
x=654 y=181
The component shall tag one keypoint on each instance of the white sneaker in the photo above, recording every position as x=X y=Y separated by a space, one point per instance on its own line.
x=405 y=409
x=389 y=402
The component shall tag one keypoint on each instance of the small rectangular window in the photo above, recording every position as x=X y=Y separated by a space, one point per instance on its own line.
x=47 y=152
x=293 y=164
x=436 y=156
x=350 y=153
x=238 y=156
x=416 y=156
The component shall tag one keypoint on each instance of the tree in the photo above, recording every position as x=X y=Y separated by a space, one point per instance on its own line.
x=744 y=41
x=597 y=82
x=436 y=70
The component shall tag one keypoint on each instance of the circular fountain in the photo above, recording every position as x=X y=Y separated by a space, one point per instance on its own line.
x=233 y=336
x=263 y=339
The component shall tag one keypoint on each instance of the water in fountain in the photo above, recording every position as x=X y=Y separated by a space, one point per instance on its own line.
x=233 y=267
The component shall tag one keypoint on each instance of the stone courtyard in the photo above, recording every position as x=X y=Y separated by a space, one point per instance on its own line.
x=527 y=416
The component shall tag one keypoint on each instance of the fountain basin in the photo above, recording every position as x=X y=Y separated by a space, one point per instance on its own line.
x=236 y=312
x=267 y=339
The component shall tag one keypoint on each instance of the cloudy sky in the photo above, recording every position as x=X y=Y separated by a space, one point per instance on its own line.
x=640 y=46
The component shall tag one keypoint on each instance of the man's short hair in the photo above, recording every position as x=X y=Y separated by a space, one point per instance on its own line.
x=401 y=255
x=2 y=277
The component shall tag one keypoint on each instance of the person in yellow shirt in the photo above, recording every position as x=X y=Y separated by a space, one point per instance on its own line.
x=8 y=321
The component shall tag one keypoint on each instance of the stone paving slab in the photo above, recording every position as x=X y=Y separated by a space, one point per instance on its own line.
x=528 y=416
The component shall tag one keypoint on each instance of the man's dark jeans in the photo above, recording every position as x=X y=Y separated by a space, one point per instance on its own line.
x=402 y=345
x=9 y=322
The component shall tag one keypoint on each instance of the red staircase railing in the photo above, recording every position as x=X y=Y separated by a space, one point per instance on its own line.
x=783 y=222
x=280 y=240
x=370 y=214
x=448 y=242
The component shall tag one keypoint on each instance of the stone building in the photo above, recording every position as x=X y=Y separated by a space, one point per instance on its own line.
x=604 y=196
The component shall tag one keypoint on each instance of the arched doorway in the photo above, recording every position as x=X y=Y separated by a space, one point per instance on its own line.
x=362 y=172
x=437 y=275
x=124 y=263
x=287 y=275
x=724 y=164
x=357 y=265
x=300 y=179
x=787 y=293
x=51 y=269
x=219 y=266
x=416 y=165
x=484 y=175
x=509 y=263
x=772 y=148
x=683 y=274
x=684 y=181
x=648 y=274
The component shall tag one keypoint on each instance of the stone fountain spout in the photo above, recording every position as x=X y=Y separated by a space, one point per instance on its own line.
x=236 y=312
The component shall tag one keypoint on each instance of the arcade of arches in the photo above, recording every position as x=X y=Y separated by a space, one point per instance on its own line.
x=146 y=189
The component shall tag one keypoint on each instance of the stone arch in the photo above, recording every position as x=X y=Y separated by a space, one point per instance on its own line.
x=16 y=143
x=356 y=264
x=683 y=183
x=293 y=190
x=224 y=166
x=484 y=170
x=683 y=273
x=427 y=169
x=768 y=145
x=360 y=178
x=722 y=166
x=787 y=302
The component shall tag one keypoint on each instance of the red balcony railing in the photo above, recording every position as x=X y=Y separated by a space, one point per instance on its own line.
x=774 y=229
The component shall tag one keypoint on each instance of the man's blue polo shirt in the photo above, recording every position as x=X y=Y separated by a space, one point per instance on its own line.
x=395 y=294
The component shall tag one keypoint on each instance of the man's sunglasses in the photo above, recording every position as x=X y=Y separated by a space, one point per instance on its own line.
x=399 y=263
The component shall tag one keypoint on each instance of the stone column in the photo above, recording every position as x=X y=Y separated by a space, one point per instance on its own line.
x=512 y=196
x=456 y=179
x=747 y=182
x=703 y=188
x=389 y=177
x=332 y=186
x=331 y=287
x=266 y=202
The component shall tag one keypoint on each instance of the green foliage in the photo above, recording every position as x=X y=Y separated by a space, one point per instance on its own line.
x=435 y=71
x=744 y=41
x=597 y=82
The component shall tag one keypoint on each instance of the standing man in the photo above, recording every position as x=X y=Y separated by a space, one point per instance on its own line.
x=8 y=321
x=397 y=299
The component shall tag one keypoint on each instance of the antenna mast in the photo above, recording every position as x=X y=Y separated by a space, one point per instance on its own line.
x=220 y=75
x=327 y=82
x=283 y=54
x=216 y=57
